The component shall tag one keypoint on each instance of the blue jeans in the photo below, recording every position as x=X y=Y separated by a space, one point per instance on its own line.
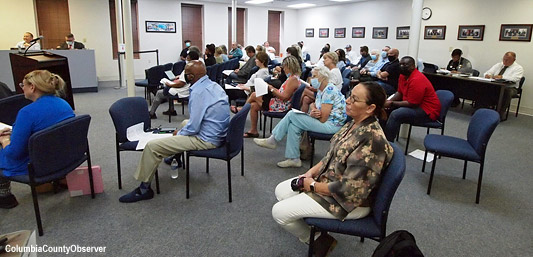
x=388 y=88
x=403 y=115
x=293 y=125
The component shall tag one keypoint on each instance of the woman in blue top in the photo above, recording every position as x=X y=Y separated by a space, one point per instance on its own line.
x=39 y=86
x=327 y=115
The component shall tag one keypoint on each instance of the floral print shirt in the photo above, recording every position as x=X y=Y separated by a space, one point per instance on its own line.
x=331 y=95
x=352 y=167
x=278 y=105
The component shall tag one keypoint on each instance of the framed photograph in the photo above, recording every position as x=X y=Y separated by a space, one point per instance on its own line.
x=161 y=26
x=516 y=32
x=309 y=32
x=340 y=32
x=324 y=32
x=435 y=32
x=471 y=32
x=402 y=32
x=380 y=32
x=358 y=32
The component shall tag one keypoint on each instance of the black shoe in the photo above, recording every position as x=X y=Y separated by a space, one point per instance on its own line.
x=136 y=195
x=153 y=116
x=323 y=245
x=171 y=113
x=7 y=202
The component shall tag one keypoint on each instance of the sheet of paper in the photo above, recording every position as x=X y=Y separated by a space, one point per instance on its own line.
x=136 y=133
x=228 y=86
x=390 y=97
x=227 y=72
x=419 y=154
x=481 y=78
x=3 y=126
x=261 y=87
x=297 y=111
x=165 y=81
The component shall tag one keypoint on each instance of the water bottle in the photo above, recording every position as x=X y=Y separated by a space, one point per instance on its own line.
x=174 y=169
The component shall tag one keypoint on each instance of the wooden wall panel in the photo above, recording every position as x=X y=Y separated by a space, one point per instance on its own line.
x=274 y=25
x=53 y=22
x=191 y=25
x=240 y=27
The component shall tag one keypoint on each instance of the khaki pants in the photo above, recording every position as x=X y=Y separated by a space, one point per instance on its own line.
x=157 y=149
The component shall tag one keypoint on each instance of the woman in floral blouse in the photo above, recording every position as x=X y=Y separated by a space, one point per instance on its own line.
x=327 y=115
x=341 y=184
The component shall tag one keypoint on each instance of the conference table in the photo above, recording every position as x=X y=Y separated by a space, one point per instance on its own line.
x=484 y=91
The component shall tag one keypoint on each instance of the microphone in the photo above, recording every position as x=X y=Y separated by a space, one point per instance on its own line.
x=37 y=39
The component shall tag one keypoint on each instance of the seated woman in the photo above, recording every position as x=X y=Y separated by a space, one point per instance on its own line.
x=39 y=86
x=261 y=60
x=327 y=115
x=281 y=100
x=219 y=55
x=342 y=58
x=340 y=186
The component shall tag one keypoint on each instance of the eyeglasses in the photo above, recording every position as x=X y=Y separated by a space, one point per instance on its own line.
x=354 y=99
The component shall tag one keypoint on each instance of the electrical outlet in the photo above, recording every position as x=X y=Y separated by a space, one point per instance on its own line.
x=84 y=40
x=450 y=49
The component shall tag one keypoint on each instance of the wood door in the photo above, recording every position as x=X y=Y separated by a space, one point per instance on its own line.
x=134 y=27
x=53 y=22
x=274 y=25
x=240 y=27
x=191 y=25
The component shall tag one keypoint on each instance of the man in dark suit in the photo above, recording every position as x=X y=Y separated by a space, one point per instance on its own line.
x=70 y=44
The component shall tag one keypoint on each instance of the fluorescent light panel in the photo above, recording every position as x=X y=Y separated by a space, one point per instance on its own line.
x=304 y=5
x=259 y=1
x=340 y=0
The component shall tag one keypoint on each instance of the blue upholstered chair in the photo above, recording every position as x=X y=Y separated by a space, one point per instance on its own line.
x=125 y=113
x=446 y=99
x=346 y=82
x=295 y=103
x=178 y=67
x=373 y=226
x=313 y=136
x=54 y=152
x=10 y=107
x=232 y=146
x=473 y=149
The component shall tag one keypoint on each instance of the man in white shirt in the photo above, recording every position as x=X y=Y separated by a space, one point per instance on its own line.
x=271 y=51
x=304 y=50
x=509 y=70
x=27 y=38
x=353 y=56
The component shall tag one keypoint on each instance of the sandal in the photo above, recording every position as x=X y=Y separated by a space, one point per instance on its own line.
x=250 y=135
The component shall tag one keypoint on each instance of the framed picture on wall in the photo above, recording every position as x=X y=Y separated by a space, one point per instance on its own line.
x=471 y=32
x=340 y=32
x=380 y=32
x=309 y=32
x=161 y=26
x=516 y=32
x=323 y=32
x=358 y=32
x=435 y=32
x=402 y=32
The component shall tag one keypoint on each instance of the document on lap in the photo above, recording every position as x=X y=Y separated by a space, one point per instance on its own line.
x=298 y=111
x=3 y=126
x=261 y=87
x=228 y=86
x=137 y=133
x=166 y=81
x=227 y=72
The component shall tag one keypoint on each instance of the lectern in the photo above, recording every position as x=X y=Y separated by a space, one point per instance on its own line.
x=22 y=65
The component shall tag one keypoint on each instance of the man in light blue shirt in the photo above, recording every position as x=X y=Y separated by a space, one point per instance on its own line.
x=206 y=129
x=236 y=52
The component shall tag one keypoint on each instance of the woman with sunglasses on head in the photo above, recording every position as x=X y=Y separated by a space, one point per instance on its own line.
x=41 y=87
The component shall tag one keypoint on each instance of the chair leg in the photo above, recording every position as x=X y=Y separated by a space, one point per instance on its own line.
x=182 y=107
x=242 y=160
x=425 y=158
x=432 y=172
x=479 y=181
x=362 y=239
x=36 y=209
x=312 y=143
x=229 y=178
x=463 y=105
x=118 y=167
x=264 y=128
x=207 y=165
x=187 y=175
x=170 y=103
x=89 y=164
x=311 y=241
x=408 y=138
x=271 y=121
x=507 y=113
x=157 y=182
x=464 y=170
x=260 y=121
x=518 y=105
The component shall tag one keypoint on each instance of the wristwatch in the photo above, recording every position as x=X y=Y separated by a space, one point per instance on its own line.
x=312 y=186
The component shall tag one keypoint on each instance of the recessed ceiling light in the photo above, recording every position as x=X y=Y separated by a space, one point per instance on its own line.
x=304 y=5
x=259 y=1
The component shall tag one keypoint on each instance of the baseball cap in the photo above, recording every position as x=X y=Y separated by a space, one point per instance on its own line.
x=348 y=46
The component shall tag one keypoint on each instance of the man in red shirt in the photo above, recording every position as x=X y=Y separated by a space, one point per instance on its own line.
x=415 y=101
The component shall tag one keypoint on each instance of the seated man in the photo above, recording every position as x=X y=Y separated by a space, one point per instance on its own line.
x=236 y=52
x=458 y=63
x=416 y=100
x=508 y=69
x=241 y=75
x=70 y=43
x=390 y=72
x=206 y=129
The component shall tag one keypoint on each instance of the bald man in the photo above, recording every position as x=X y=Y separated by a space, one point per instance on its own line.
x=509 y=70
x=390 y=72
x=206 y=129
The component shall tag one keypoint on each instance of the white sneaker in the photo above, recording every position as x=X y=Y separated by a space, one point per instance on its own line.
x=290 y=163
x=263 y=142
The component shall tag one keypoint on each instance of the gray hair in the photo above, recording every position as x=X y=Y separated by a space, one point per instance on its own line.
x=323 y=72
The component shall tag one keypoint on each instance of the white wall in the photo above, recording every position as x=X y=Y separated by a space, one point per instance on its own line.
x=13 y=26
x=452 y=13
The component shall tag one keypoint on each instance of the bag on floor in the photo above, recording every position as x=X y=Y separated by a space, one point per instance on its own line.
x=398 y=244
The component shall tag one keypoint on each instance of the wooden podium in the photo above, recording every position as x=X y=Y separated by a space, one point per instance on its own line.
x=22 y=65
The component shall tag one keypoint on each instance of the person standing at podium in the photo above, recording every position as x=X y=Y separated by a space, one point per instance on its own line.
x=70 y=43
x=27 y=38
x=41 y=87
